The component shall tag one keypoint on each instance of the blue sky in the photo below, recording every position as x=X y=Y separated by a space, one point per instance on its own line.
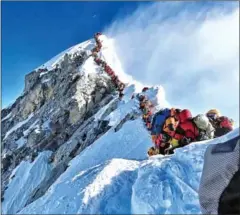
x=189 y=48
x=34 y=32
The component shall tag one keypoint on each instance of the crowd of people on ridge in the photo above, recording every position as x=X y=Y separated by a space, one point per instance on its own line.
x=118 y=84
x=173 y=128
x=170 y=128
x=42 y=70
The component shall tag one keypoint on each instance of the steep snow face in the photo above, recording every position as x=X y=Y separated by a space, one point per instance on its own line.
x=87 y=45
x=24 y=182
x=105 y=188
x=130 y=142
x=170 y=185
x=160 y=185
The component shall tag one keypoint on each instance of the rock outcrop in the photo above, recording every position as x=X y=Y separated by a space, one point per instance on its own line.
x=55 y=113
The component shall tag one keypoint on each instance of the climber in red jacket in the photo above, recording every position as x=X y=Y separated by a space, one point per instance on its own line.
x=107 y=68
x=223 y=126
x=186 y=127
x=112 y=75
x=144 y=89
x=185 y=132
x=98 y=61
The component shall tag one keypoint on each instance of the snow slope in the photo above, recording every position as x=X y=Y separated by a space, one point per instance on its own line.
x=87 y=45
x=25 y=180
x=114 y=174
x=97 y=182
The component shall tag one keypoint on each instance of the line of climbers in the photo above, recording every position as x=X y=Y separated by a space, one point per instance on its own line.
x=117 y=83
x=42 y=70
x=173 y=128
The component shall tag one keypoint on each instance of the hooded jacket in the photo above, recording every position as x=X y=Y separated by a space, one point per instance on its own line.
x=219 y=190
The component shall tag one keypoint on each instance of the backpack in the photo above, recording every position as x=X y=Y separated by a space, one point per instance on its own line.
x=201 y=121
x=225 y=122
x=159 y=120
x=186 y=129
x=206 y=130
x=183 y=115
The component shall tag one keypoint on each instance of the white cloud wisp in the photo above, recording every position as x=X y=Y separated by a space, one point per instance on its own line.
x=193 y=52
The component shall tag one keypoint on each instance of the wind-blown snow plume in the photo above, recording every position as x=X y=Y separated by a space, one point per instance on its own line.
x=192 y=49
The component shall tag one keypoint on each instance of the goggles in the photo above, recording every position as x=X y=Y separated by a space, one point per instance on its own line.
x=212 y=115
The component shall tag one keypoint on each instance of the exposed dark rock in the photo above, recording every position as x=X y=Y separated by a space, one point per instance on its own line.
x=62 y=103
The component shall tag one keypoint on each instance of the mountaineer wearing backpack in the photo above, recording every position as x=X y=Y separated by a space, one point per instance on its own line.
x=147 y=114
x=98 y=61
x=225 y=125
x=161 y=143
x=222 y=124
x=184 y=132
x=171 y=123
x=143 y=100
x=159 y=137
x=159 y=120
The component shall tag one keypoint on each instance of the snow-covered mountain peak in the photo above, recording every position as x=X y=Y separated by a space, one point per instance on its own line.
x=72 y=145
